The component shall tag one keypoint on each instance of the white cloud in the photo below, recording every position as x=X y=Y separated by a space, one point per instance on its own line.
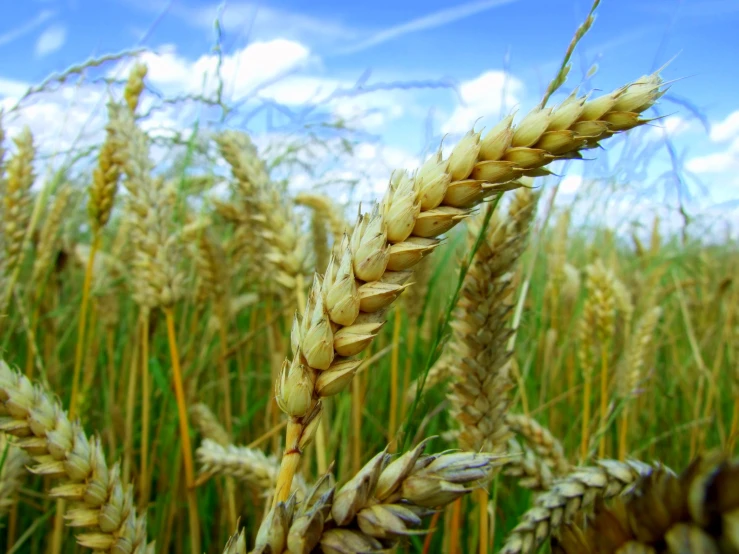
x=51 y=40
x=726 y=129
x=718 y=162
x=242 y=71
x=723 y=161
x=570 y=184
x=485 y=95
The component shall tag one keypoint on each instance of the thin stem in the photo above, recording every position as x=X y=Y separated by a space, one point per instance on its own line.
x=482 y=503
x=184 y=433
x=145 y=409
x=356 y=425
x=603 y=401
x=80 y=347
x=456 y=523
x=290 y=461
x=623 y=432
x=227 y=421
x=430 y=532
x=392 y=424
x=585 y=416
x=407 y=367
x=130 y=409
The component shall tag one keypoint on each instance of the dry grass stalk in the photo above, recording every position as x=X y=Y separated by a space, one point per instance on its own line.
x=12 y=469
x=384 y=502
x=541 y=439
x=697 y=511
x=342 y=318
x=248 y=465
x=102 y=505
x=569 y=496
x=481 y=375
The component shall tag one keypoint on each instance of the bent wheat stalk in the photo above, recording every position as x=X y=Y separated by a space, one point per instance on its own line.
x=347 y=307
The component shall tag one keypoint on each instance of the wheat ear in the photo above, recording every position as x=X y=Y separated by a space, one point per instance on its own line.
x=595 y=332
x=266 y=228
x=103 y=505
x=481 y=375
x=248 y=465
x=347 y=308
x=47 y=245
x=16 y=207
x=632 y=370
x=569 y=496
x=12 y=469
x=380 y=505
x=541 y=439
x=531 y=470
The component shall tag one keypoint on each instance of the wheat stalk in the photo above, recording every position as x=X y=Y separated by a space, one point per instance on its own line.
x=103 y=505
x=342 y=318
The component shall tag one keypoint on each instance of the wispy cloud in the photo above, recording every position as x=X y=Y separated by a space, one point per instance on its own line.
x=25 y=28
x=258 y=21
x=430 y=21
x=51 y=40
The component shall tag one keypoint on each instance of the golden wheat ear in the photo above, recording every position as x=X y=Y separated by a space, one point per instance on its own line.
x=383 y=503
x=695 y=511
x=103 y=507
x=389 y=241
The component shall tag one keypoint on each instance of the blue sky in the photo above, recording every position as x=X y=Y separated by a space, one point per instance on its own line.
x=499 y=53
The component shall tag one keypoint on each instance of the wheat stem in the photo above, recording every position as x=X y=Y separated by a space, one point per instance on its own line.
x=603 y=401
x=392 y=424
x=81 y=328
x=482 y=504
x=145 y=410
x=184 y=433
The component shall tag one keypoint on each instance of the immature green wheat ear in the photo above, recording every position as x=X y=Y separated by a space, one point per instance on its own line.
x=101 y=504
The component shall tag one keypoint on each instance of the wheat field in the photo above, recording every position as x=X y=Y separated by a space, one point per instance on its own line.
x=198 y=359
